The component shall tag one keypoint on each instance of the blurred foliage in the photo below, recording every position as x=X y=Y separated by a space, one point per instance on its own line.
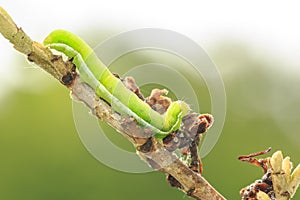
x=43 y=158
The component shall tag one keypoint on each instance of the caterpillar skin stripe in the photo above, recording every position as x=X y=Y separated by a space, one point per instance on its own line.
x=93 y=72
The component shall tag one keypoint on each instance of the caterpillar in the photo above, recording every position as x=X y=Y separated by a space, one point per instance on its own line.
x=110 y=88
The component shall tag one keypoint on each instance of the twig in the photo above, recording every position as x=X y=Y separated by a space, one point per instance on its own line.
x=278 y=182
x=156 y=155
x=36 y=52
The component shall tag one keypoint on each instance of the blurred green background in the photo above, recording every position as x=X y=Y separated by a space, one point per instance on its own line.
x=42 y=156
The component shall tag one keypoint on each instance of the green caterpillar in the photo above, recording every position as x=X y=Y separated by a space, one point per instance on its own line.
x=93 y=72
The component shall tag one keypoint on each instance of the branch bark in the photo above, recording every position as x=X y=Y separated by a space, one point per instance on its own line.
x=156 y=156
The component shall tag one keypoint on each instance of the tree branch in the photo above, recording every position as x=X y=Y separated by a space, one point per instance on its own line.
x=156 y=155
x=278 y=182
x=36 y=52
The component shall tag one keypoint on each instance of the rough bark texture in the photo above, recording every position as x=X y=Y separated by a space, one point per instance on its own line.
x=155 y=155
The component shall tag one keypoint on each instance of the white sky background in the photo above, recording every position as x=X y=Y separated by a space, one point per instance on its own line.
x=272 y=25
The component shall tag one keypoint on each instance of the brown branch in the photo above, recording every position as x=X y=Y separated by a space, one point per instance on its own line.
x=36 y=52
x=149 y=149
x=158 y=157
x=278 y=181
